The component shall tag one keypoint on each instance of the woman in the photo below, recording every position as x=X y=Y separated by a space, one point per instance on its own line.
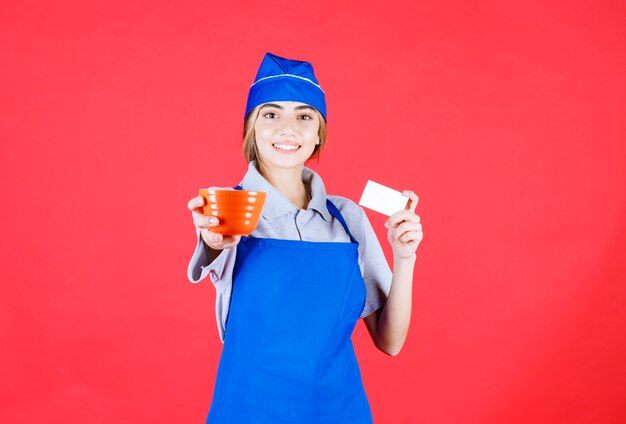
x=290 y=294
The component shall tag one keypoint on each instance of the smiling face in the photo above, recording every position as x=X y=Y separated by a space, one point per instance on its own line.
x=286 y=134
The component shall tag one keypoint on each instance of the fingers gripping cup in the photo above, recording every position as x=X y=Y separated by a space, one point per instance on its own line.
x=237 y=210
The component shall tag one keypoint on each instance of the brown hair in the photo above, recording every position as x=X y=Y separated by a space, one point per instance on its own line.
x=249 y=145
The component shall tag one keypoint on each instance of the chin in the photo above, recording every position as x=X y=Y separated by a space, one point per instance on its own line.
x=286 y=162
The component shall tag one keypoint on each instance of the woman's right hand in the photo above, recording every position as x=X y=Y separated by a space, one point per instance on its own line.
x=204 y=223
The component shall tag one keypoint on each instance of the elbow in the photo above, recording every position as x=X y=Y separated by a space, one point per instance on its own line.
x=390 y=350
x=394 y=352
x=391 y=345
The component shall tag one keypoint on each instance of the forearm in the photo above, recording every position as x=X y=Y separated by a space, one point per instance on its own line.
x=393 y=323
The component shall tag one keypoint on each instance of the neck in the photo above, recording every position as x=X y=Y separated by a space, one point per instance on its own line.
x=288 y=181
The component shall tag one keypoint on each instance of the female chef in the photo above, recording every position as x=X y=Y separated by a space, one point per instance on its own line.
x=290 y=294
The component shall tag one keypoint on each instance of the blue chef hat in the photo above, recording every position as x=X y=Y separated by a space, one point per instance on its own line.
x=280 y=79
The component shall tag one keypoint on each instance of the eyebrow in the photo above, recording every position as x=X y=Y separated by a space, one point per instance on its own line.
x=281 y=108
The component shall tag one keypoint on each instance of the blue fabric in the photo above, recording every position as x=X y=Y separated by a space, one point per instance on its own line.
x=287 y=354
x=280 y=79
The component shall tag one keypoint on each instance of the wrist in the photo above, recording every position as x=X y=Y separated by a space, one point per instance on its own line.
x=409 y=260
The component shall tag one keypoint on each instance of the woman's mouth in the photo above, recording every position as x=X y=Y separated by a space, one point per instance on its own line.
x=286 y=147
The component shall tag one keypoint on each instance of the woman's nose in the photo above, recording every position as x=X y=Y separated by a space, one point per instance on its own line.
x=287 y=128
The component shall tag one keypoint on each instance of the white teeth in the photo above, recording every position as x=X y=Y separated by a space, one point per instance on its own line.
x=286 y=146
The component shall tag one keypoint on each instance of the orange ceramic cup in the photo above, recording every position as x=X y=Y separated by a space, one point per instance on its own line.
x=237 y=210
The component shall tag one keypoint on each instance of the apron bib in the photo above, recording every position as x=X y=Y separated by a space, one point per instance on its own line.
x=287 y=354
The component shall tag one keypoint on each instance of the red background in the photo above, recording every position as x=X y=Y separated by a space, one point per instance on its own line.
x=507 y=119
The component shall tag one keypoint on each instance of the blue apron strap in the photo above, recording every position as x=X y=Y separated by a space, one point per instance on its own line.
x=334 y=211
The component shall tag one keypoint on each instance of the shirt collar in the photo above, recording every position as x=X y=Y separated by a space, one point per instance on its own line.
x=275 y=203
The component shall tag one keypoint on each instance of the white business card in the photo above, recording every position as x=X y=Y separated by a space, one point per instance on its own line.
x=382 y=199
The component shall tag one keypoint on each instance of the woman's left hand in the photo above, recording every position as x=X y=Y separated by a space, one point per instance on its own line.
x=405 y=230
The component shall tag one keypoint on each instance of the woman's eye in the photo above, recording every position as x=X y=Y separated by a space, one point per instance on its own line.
x=270 y=115
x=306 y=117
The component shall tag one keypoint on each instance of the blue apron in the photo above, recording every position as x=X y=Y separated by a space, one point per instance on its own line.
x=287 y=354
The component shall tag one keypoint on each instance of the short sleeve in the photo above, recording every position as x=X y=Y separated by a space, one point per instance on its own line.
x=374 y=267
x=221 y=272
